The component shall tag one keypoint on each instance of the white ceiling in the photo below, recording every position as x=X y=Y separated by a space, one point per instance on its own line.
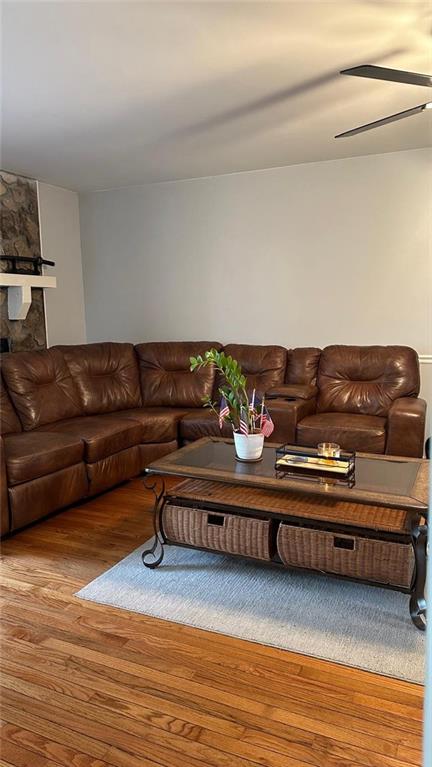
x=107 y=94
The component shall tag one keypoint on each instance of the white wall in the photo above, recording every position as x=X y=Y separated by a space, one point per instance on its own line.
x=330 y=252
x=60 y=241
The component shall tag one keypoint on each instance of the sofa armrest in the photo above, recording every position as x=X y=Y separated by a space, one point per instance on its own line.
x=286 y=415
x=406 y=427
x=292 y=391
x=4 y=496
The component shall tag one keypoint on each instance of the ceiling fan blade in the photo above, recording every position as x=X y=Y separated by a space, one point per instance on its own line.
x=394 y=75
x=384 y=121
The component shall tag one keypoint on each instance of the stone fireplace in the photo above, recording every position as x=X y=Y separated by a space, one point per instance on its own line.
x=20 y=236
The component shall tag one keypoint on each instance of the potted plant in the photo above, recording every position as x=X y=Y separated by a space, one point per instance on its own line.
x=249 y=417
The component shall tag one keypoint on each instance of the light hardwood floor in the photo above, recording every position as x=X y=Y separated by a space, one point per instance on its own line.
x=85 y=685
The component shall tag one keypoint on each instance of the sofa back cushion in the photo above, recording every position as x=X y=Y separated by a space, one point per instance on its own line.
x=106 y=376
x=366 y=379
x=166 y=379
x=302 y=365
x=40 y=387
x=263 y=366
x=9 y=421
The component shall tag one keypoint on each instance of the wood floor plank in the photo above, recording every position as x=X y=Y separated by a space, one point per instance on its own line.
x=127 y=735
x=264 y=670
x=251 y=723
x=409 y=755
x=372 y=721
x=85 y=685
x=261 y=703
x=18 y=716
x=37 y=751
x=110 y=619
x=121 y=698
x=14 y=755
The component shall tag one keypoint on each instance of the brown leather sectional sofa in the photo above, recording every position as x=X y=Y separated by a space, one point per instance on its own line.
x=77 y=420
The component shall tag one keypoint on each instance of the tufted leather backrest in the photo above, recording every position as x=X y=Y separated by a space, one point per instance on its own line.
x=302 y=365
x=166 y=379
x=106 y=376
x=366 y=379
x=40 y=387
x=263 y=366
x=9 y=421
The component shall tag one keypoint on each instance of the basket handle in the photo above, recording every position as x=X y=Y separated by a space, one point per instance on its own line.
x=344 y=542
x=216 y=519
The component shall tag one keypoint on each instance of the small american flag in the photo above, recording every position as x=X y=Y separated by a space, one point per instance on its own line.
x=244 y=427
x=223 y=412
x=266 y=423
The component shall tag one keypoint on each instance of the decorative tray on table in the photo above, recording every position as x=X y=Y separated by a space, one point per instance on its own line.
x=310 y=463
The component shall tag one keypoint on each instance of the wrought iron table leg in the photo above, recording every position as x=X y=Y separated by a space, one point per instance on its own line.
x=156 y=551
x=418 y=601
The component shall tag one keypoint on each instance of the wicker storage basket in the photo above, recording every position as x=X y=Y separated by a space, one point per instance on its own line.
x=369 y=559
x=219 y=530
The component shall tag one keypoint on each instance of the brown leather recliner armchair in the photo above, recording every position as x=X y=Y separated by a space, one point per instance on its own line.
x=368 y=401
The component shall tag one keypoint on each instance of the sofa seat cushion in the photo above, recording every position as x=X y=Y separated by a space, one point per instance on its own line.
x=202 y=422
x=159 y=424
x=34 y=454
x=102 y=435
x=352 y=432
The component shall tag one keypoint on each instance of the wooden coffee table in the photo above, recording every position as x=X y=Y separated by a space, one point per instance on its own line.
x=373 y=532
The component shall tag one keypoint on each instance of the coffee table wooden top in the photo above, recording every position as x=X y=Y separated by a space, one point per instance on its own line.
x=382 y=480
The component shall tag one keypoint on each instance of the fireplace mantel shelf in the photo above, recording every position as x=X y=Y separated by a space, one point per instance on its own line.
x=19 y=291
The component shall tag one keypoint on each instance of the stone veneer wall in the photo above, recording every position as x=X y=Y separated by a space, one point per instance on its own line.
x=20 y=236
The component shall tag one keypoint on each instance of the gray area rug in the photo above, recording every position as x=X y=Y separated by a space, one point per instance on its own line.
x=349 y=623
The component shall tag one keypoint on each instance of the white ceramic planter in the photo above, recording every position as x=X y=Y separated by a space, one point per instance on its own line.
x=248 y=447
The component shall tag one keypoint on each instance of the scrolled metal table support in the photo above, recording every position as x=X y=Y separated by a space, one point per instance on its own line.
x=156 y=552
x=418 y=601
